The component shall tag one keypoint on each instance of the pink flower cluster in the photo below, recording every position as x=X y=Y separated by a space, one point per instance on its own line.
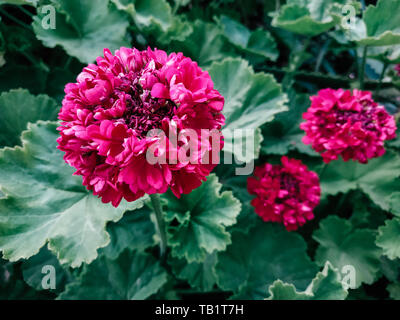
x=108 y=115
x=286 y=193
x=350 y=124
x=397 y=68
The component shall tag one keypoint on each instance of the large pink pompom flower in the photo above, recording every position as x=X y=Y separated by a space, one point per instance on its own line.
x=348 y=124
x=286 y=193
x=110 y=114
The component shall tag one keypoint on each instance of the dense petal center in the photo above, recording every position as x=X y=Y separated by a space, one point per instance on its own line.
x=144 y=112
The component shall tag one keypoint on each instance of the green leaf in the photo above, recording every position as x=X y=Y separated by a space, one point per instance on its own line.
x=17 y=108
x=154 y=17
x=255 y=260
x=308 y=17
x=147 y=13
x=196 y=223
x=84 y=28
x=394 y=290
x=379 y=31
x=259 y=42
x=46 y=203
x=386 y=54
x=251 y=100
x=389 y=238
x=285 y=291
x=341 y=245
x=365 y=214
x=378 y=178
x=20 y=2
x=200 y=275
x=13 y=286
x=284 y=134
x=34 y=273
x=238 y=185
x=10 y=77
x=134 y=231
x=326 y=285
x=394 y=203
x=390 y=268
x=204 y=44
x=132 y=276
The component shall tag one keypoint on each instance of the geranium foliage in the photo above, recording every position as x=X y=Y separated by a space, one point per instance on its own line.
x=307 y=93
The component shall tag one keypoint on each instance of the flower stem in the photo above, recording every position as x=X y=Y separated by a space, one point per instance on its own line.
x=12 y=18
x=322 y=54
x=361 y=72
x=27 y=12
x=155 y=200
x=321 y=172
x=385 y=66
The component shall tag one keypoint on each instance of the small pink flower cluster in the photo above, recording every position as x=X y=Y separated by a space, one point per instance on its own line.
x=108 y=113
x=351 y=125
x=286 y=193
x=397 y=68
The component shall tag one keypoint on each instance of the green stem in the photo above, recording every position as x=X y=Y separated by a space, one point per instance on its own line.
x=175 y=8
x=12 y=18
x=321 y=172
x=68 y=62
x=27 y=12
x=155 y=200
x=322 y=54
x=385 y=66
x=294 y=64
x=342 y=201
x=361 y=72
x=324 y=79
x=35 y=62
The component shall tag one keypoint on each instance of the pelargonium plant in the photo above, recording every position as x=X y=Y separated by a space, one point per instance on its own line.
x=222 y=149
x=109 y=116
x=348 y=124
x=285 y=193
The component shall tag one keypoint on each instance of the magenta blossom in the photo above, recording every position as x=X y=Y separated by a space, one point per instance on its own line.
x=286 y=193
x=352 y=125
x=397 y=68
x=109 y=116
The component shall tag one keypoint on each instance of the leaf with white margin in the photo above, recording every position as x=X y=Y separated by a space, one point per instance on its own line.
x=251 y=99
x=378 y=31
x=155 y=17
x=389 y=238
x=84 y=28
x=45 y=203
x=131 y=276
x=196 y=223
x=258 y=42
x=204 y=44
x=343 y=246
x=309 y=17
x=326 y=285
